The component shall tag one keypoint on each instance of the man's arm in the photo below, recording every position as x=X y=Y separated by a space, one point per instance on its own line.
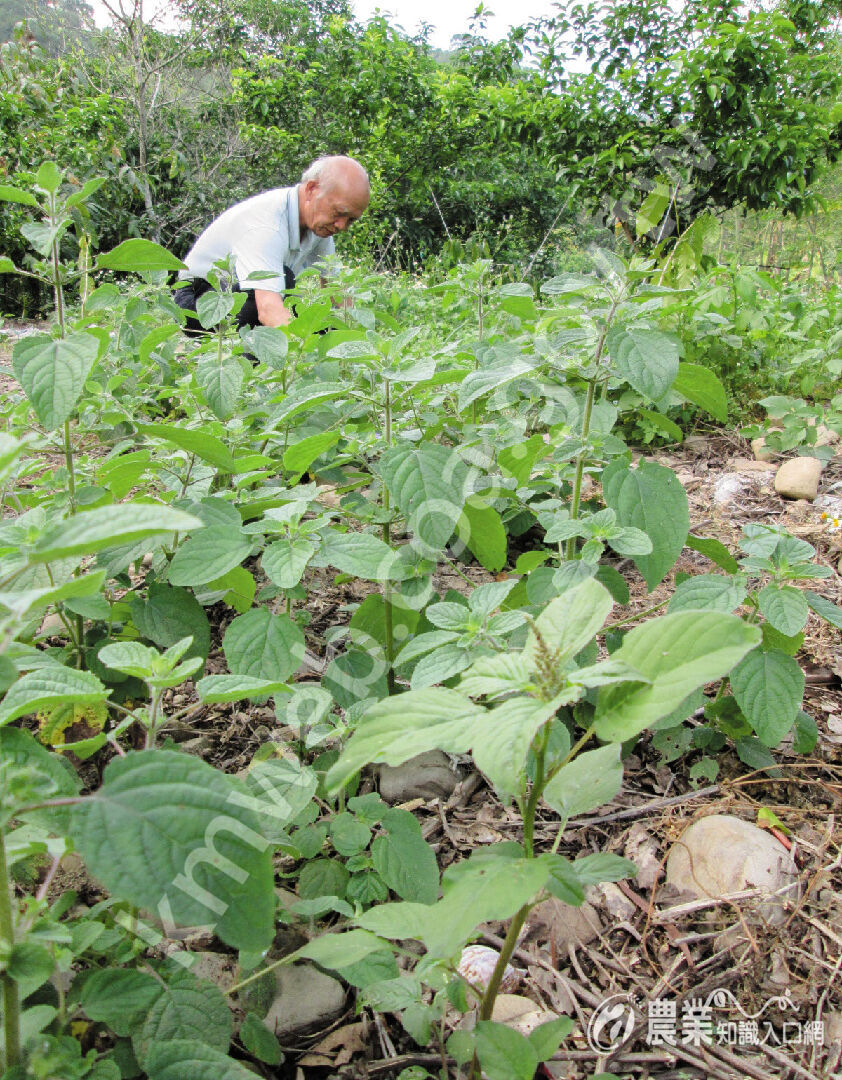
x=271 y=309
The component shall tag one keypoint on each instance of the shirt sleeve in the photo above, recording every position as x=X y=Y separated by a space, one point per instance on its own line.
x=260 y=250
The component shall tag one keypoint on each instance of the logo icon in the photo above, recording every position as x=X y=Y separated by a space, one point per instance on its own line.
x=611 y=1023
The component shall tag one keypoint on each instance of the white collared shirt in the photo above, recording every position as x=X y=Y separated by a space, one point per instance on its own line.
x=263 y=233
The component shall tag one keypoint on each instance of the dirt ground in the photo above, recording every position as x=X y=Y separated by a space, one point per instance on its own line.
x=641 y=948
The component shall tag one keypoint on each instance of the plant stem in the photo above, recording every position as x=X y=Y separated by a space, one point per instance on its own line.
x=515 y=927
x=11 y=999
x=387 y=539
x=586 y=426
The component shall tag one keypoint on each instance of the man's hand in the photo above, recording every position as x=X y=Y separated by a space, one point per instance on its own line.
x=271 y=309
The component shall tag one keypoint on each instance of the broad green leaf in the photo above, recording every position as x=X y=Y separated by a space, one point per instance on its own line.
x=268 y=343
x=168 y=615
x=500 y=749
x=647 y=360
x=651 y=213
x=263 y=645
x=825 y=609
x=260 y=1041
x=49 y=177
x=110 y=526
x=482 y=382
x=207 y=556
x=547 y=1038
x=305 y=397
x=708 y=592
x=348 y=834
x=221 y=382
x=48 y=687
x=404 y=859
x=16 y=195
x=48 y=776
x=603 y=866
x=488 y=888
x=216 y=689
x=52 y=373
x=361 y=554
x=322 y=877
x=567 y=624
x=714 y=550
x=785 y=607
x=518 y=460
x=449 y=615
x=678 y=653
x=701 y=386
x=662 y=424
x=491 y=676
x=191 y=1059
x=589 y=781
x=139 y=255
x=336 y=951
x=90 y=187
x=285 y=561
x=439 y=665
x=424 y=643
x=430 y=483
x=214 y=868
x=301 y=455
x=480 y=528
x=650 y=498
x=119 y=997
x=769 y=687
x=194 y=441
x=504 y=1054
x=213 y=306
x=26 y=600
x=394 y=730
x=186 y=1008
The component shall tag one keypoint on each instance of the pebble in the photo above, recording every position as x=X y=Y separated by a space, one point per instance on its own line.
x=306 y=1000
x=799 y=478
x=722 y=854
x=427 y=776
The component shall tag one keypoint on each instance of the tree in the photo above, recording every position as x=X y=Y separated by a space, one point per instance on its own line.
x=53 y=24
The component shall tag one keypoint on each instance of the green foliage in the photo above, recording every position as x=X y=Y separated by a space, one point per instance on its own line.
x=425 y=429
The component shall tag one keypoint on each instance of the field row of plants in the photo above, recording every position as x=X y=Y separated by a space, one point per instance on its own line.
x=157 y=490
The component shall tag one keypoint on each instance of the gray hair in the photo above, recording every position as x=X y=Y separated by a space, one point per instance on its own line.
x=326 y=169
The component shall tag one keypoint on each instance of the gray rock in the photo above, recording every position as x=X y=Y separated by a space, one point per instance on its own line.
x=799 y=478
x=427 y=776
x=699 y=444
x=721 y=854
x=306 y=1000
x=761 y=451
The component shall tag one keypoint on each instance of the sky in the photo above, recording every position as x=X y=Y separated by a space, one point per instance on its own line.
x=452 y=16
x=448 y=16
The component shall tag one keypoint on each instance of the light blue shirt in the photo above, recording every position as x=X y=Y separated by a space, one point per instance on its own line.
x=263 y=234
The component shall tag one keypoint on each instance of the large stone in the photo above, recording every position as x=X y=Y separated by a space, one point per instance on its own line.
x=721 y=854
x=306 y=1000
x=799 y=478
x=427 y=776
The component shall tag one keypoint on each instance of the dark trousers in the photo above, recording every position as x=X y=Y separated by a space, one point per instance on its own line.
x=187 y=294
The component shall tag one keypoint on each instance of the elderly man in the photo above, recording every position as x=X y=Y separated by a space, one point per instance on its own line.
x=280 y=232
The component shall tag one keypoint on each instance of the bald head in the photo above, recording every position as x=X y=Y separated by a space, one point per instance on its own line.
x=333 y=193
